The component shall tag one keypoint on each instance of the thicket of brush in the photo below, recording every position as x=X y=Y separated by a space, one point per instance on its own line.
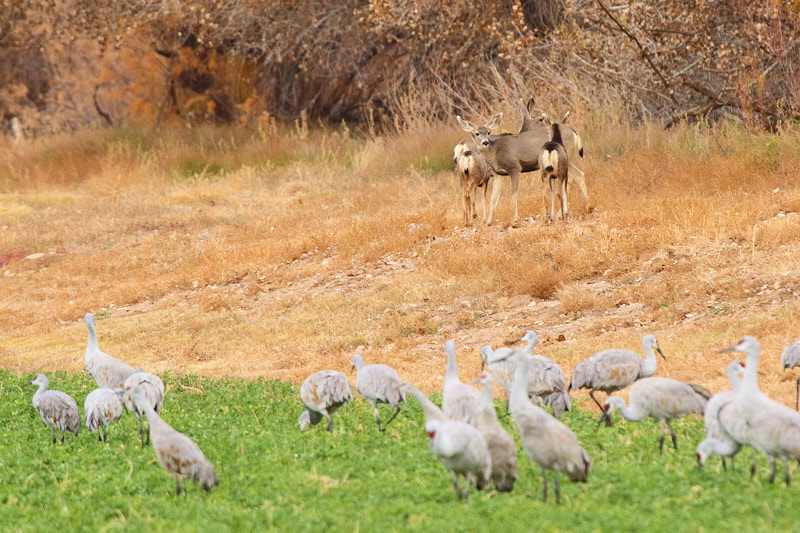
x=398 y=64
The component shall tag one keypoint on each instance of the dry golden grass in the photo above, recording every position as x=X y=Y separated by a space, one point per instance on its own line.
x=279 y=253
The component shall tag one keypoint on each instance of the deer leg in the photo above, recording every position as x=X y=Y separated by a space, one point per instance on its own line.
x=485 y=188
x=580 y=179
x=465 y=200
x=515 y=194
x=496 y=190
x=564 y=211
x=544 y=195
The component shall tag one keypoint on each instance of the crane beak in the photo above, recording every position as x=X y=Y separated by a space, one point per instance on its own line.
x=660 y=353
x=516 y=341
x=28 y=383
x=483 y=365
x=351 y=370
x=733 y=348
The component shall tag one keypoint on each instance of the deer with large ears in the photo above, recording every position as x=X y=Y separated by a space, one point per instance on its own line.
x=531 y=120
x=554 y=166
x=509 y=155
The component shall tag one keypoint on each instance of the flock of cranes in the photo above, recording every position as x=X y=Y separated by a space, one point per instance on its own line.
x=466 y=436
x=141 y=393
x=465 y=433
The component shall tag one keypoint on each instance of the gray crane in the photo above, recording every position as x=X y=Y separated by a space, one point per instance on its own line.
x=459 y=400
x=717 y=441
x=323 y=393
x=101 y=408
x=107 y=371
x=58 y=409
x=154 y=391
x=790 y=358
x=663 y=399
x=176 y=452
x=754 y=419
x=548 y=442
x=501 y=445
x=614 y=369
x=547 y=383
x=378 y=384
x=458 y=445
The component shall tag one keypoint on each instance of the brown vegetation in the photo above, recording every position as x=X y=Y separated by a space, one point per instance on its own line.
x=64 y=65
x=280 y=252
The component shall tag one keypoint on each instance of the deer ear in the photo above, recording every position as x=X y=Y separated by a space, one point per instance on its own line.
x=495 y=122
x=546 y=119
x=531 y=106
x=566 y=116
x=466 y=125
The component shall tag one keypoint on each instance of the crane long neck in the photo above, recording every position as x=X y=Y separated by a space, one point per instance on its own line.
x=631 y=413
x=488 y=396
x=723 y=448
x=452 y=370
x=92 y=344
x=38 y=394
x=736 y=381
x=519 y=384
x=750 y=380
x=650 y=363
x=431 y=410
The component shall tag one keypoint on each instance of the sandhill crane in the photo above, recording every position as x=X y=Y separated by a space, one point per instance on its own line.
x=101 y=408
x=462 y=449
x=548 y=442
x=546 y=379
x=717 y=440
x=752 y=418
x=663 y=399
x=176 y=452
x=108 y=372
x=323 y=393
x=547 y=383
x=459 y=400
x=58 y=409
x=790 y=358
x=614 y=369
x=501 y=445
x=378 y=384
x=458 y=445
x=154 y=391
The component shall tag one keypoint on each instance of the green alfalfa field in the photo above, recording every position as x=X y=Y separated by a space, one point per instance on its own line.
x=235 y=263
x=274 y=478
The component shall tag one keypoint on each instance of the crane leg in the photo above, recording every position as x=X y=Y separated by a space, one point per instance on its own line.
x=661 y=440
x=672 y=434
x=604 y=416
x=788 y=477
x=558 y=488
x=797 y=400
x=147 y=434
x=54 y=434
x=141 y=433
x=378 y=417
x=177 y=487
x=330 y=422
x=392 y=418
x=458 y=487
x=724 y=465
x=772 y=470
x=753 y=466
x=62 y=436
x=544 y=485
x=99 y=436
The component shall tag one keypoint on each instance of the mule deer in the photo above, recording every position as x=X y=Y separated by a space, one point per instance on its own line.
x=512 y=154
x=529 y=122
x=554 y=166
x=475 y=173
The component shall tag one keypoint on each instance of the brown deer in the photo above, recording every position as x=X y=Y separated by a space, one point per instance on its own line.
x=474 y=172
x=512 y=154
x=531 y=122
x=554 y=167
